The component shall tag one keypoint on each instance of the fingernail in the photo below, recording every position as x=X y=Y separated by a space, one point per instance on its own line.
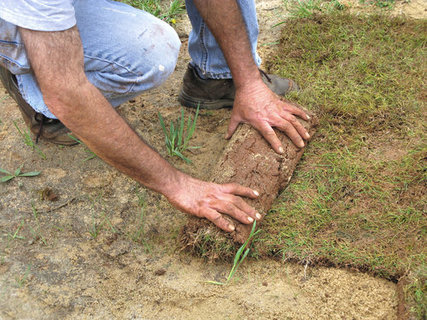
x=232 y=228
x=301 y=145
x=256 y=193
x=307 y=135
x=308 y=117
x=250 y=219
x=258 y=216
x=281 y=150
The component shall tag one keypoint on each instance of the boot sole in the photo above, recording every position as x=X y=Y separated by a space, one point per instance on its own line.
x=191 y=102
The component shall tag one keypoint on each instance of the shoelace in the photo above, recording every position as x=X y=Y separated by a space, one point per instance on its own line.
x=265 y=75
x=42 y=119
x=39 y=118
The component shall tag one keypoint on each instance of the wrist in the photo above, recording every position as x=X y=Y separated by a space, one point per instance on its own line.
x=171 y=186
x=248 y=80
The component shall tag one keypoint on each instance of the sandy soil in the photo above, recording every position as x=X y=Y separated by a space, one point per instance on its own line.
x=51 y=267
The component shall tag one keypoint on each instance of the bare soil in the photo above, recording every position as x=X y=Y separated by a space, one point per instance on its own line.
x=77 y=258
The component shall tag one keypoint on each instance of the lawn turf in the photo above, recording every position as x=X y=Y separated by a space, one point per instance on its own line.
x=358 y=197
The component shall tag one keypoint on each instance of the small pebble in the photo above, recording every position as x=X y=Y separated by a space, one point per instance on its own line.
x=160 y=272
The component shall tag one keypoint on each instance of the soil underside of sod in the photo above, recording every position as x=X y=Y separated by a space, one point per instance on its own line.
x=357 y=198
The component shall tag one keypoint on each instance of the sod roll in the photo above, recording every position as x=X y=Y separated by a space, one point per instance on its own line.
x=250 y=161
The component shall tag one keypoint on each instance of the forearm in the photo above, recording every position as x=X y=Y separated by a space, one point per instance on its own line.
x=224 y=19
x=109 y=136
x=57 y=61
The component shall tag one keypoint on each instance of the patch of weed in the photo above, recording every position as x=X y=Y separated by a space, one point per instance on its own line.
x=100 y=218
x=16 y=235
x=139 y=235
x=177 y=138
x=36 y=232
x=26 y=137
x=17 y=173
x=20 y=281
x=240 y=256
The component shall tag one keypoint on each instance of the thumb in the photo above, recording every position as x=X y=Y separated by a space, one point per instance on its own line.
x=231 y=128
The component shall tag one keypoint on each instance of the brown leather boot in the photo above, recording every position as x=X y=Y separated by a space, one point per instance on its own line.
x=51 y=130
x=216 y=94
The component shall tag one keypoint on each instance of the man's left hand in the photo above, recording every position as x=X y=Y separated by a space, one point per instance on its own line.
x=258 y=106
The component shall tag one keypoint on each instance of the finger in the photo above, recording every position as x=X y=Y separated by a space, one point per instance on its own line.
x=292 y=133
x=232 y=128
x=295 y=110
x=268 y=133
x=246 y=208
x=298 y=126
x=240 y=190
x=228 y=208
x=218 y=220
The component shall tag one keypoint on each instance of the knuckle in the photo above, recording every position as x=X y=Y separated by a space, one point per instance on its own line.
x=216 y=218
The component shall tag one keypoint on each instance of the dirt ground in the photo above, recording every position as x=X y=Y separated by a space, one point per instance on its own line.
x=91 y=255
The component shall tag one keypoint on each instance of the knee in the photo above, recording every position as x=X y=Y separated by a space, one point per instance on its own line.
x=145 y=55
x=158 y=50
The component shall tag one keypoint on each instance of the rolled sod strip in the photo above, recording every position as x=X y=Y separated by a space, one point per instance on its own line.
x=248 y=160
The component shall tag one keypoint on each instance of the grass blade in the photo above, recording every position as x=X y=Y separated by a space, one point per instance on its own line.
x=181 y=128
x=217 y=283
x=18 y=171
x=162 y=124
x=30 y=174
x=4 y=171
x=6 y=178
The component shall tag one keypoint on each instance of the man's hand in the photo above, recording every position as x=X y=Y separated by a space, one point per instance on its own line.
x=258 y=106
x=254 y=102
x=209 y=200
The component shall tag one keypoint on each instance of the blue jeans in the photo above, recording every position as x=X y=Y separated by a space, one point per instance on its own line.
x=126 y=50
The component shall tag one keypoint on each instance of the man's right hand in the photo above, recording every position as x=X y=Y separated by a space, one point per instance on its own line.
x=211 y=201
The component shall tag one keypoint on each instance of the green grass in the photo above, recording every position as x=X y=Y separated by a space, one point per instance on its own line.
x=100 y=219
x=308 y=8
x=167 y=12
x=139 y=235
x=358 y=197
x=21 y=280
x=36 y=232
x=240 y=256
x=17 y=173
x=179 y=134
x=26 y=137
x=15 y=235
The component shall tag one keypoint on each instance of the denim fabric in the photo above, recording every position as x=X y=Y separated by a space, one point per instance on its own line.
x=206 y=55
x=126 y=50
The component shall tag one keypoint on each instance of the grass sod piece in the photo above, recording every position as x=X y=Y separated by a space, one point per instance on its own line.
x=358 y=198
x=249 y=160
